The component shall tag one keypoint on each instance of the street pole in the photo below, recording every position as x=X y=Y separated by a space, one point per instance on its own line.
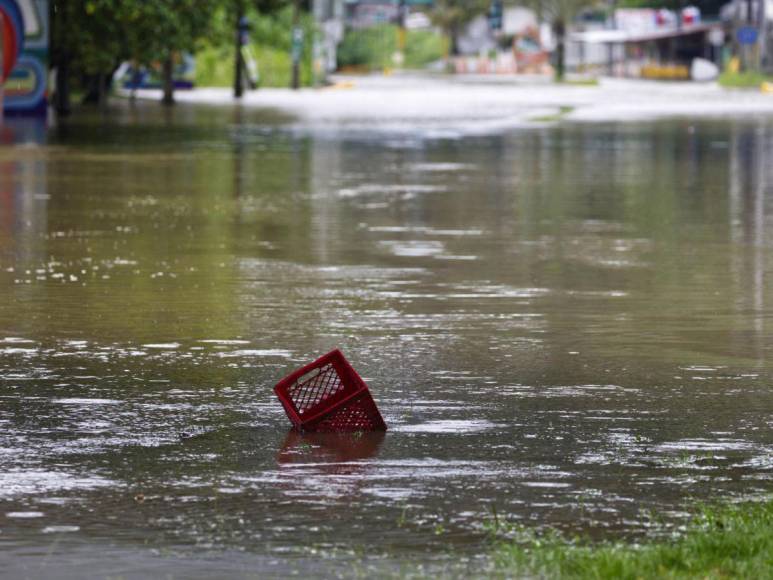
x=239 y=59
x=297 y=45
x=762 y=61
x=747 y=60
x=402 y=14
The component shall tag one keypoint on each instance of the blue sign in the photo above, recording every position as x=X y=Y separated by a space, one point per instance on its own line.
x=746 y=35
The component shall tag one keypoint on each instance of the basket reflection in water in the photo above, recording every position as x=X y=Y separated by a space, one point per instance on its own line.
x=328 y=395
x=332 y=453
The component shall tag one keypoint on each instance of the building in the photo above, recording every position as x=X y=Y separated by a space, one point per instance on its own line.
x=646 y=43
x=367 y=13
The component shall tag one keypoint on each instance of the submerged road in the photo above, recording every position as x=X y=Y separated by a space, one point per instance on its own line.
x=485 y=105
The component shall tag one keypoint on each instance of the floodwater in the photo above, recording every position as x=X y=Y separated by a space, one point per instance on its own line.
x=566 y=326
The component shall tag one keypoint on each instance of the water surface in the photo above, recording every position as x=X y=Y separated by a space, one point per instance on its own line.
x=566 y=326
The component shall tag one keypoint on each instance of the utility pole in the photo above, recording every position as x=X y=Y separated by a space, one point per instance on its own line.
x=239 y=59
x=762 y=41
x=297 y=46
x=402 y=15
x=749 y=21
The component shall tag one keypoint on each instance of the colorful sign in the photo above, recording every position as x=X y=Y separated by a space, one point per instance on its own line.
x=25 y=56
x=746 y=35
x=11 y=32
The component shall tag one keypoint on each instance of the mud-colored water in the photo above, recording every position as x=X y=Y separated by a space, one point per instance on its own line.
x=567 y=326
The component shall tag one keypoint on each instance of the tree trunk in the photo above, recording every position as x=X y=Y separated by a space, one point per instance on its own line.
x=101 y=90
x=62 y=104
x=168 y=82
x=453 y=33
x=60 y=58
x=96 y=87
x=559 y=30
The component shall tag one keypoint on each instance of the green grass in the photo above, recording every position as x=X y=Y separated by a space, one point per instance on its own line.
x=562 y=112
x=374 y=48
x=746 y=79
x=580 y=82
x=270 y=42
x=730 y=541
x=215 y=67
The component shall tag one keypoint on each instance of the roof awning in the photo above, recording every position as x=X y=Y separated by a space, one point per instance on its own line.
x=623 y=36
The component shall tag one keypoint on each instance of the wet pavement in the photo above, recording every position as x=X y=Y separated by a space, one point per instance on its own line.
x=566 y=326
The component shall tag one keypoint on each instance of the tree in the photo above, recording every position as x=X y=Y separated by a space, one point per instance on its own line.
x=162 y=29
x=452 y=15
x=560 y=14
x=90 y=38
x=87 y=42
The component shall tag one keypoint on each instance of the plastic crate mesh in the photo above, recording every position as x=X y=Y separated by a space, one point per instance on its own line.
x=359 y=415
x=308 y=392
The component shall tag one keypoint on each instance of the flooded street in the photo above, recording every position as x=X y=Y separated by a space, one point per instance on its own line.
x=565 y=326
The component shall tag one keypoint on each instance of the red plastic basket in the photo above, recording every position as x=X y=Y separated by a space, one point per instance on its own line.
x=328 y=395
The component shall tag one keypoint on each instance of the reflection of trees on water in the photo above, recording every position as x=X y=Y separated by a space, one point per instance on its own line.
x=211 y=197
x=643 y=211
x=748 y=187
x=648 y=212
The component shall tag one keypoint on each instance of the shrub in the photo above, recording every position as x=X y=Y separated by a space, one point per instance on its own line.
x=374 y=48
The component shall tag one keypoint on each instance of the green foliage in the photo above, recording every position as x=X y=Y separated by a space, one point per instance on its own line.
x=743 y=80
x=155 y=29
x=373 y=48
x=581 y=82
x=563 y=11
x=423 y=47
x=452 y=14
x=271 y=39
x=92 y=37
x=734 y=541
x=368 y=47
x=87 y=34
x=95 y=35
x=215 y=67
x=562 y=112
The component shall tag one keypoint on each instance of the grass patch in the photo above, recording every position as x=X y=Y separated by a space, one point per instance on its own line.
x=560 y=114
x=373 y=48
x=271 y=41
x=215 y=67
x=580 y=82
x=729 y=541
x=743 y=80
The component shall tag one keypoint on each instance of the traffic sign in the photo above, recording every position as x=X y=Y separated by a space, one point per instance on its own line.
x=746 y=35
